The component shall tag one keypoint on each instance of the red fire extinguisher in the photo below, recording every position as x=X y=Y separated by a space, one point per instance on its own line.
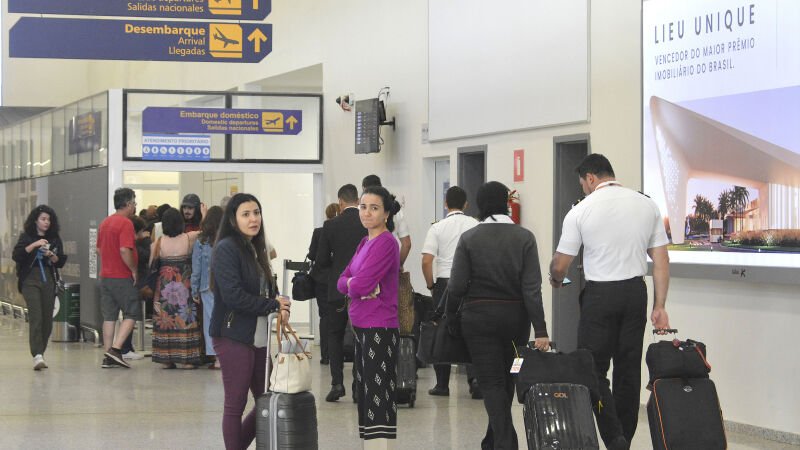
x=513 y=206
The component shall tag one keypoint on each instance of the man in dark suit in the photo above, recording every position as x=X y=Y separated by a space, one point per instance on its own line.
x=337 y=244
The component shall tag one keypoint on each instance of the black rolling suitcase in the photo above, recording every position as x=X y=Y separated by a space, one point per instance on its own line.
x=559 y=416
x=285 y=421
x=685 y=414
x=683 y=410
x=407 y=371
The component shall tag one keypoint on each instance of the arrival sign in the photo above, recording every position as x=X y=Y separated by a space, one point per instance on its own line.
x=146 y=40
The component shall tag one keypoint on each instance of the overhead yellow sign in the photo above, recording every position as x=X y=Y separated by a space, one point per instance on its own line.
x=272 y=122
x=226 y=40
x=228 y=7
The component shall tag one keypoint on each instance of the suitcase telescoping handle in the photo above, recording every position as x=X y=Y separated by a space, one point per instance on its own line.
x=270 y=318
x=665 y=331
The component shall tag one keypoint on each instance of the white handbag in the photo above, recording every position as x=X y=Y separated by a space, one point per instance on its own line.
x=291 y=372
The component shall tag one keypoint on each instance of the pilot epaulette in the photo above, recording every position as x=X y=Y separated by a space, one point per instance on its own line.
x=577 y=201
x=643 y=194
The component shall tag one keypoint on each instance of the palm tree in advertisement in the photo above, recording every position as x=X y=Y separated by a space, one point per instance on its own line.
x=739 y=198
x=724 y=206
x=703 y=212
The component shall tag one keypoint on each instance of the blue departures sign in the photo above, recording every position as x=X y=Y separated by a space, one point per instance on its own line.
x=146 y=40
x=176 y=148
x=182 y=9
x=156 y=119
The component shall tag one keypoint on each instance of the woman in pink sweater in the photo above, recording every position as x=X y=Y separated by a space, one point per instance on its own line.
x=370 y=281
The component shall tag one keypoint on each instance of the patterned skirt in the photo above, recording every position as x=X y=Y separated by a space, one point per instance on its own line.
x=375 y=367
x=177 y=334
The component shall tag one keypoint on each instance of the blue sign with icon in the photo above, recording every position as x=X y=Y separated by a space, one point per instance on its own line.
x=182 y=9
x=176 y=148
x=145 y=40
x=156 y=119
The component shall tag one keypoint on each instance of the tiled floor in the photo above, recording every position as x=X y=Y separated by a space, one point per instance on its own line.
x=75 y=404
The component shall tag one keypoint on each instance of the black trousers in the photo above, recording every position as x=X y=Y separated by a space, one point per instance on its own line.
x=612 y=323
x=337 y=325
x=443 y=370
x=491 y=330
x=321 y=292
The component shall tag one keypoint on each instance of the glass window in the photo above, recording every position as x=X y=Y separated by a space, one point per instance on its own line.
x=85 y=131
x=35 y=134
x=59 y=140
x=100 y=105
x=8 y=150
x=25 y=149
x=46 y=143
x=70 y=118
x=137 y=102
x=5 y=154
x=302 y=146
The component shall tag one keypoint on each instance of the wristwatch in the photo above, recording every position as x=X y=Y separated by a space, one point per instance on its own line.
x=430 y=288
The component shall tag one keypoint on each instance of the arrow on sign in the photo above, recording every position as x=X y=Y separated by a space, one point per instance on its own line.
x=291 y=121
x=257 y=37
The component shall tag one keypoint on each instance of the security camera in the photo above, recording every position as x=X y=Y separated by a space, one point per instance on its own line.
x=344 y=102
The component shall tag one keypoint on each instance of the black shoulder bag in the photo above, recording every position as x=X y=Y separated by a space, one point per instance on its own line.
x=303 y=286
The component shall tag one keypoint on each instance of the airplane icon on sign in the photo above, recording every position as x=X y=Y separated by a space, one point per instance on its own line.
x=272 y=122
x=221 y=37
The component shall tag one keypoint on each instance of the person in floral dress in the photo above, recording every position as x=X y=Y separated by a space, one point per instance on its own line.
x=177 y=334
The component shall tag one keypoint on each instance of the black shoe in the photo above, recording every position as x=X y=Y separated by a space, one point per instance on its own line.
x=108 y=363
x=438 y=390
x=116 y=358
x=337 y=392
x=475 y=390
x=324 y=361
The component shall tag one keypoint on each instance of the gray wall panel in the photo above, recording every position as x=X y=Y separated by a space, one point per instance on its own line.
x=79 y=199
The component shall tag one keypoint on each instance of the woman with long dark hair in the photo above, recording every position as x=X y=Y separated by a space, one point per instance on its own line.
x=371 y=281
x=241 y=280
x=496 y=273
x=201 y=266
x=38 y=253
x=177 y=336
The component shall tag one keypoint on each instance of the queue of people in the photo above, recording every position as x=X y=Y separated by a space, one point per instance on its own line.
x=215 y=285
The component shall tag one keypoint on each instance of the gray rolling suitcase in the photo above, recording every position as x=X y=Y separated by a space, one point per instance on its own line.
x=407 y=371
x=285 y=421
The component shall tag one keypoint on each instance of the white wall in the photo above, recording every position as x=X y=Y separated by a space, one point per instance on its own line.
x=366 y=45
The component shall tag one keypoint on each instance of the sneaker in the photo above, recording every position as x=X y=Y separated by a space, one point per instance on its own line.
x=38 y=363
x=438 y=390
x=116 y=358
x=132 y=355
x=108 y=363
